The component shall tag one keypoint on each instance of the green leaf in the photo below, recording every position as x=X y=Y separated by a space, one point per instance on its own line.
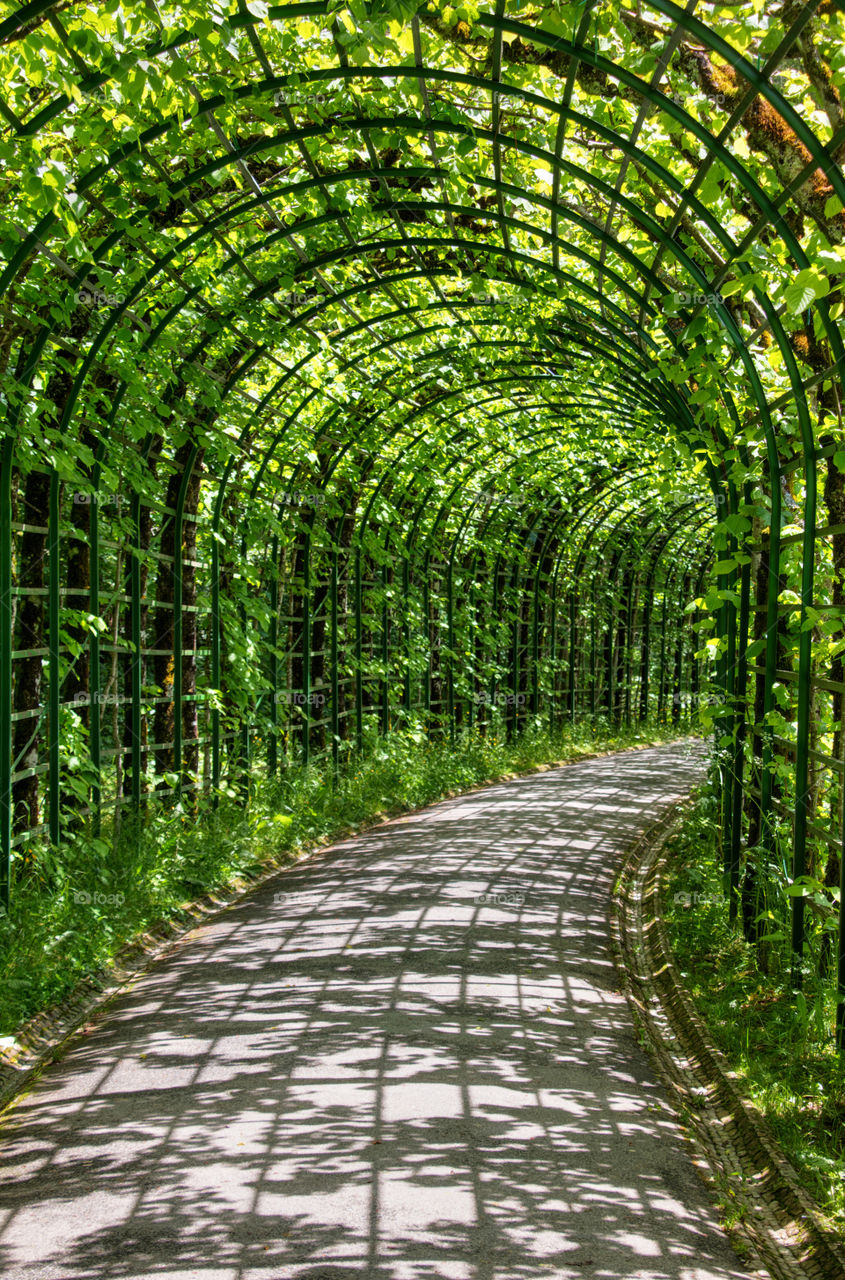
x=807 y=287
x=736 y=523
x=833 y=262
x=743 y=284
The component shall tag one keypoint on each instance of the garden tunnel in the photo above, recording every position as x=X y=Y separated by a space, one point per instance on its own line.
x=455 y=369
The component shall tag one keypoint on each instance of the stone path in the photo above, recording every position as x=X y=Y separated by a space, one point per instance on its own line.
x=407 y=1059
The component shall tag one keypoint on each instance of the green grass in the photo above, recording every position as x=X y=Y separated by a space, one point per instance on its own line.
x=80 y=904
x=778 y=1041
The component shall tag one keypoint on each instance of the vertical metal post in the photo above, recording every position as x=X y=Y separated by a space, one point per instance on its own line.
x=610 y=646
x=472 y=624
x=677 y=677
x=514 y=682
x=494 y=614
x=740 y=692
x=94 y=708
x=661 y=659
x=273 y=637
x=335 y=693
x=385 y=651
x=594 y=652
x=359 y=650
x=728 y=724
x=840 y=967
x=695 y=666
x=215 y=669
x=178 y=567
x=802 y=744
x=427 y=635
x=6 y=641
x=406 y=596
x=535 y=648
x=629 y=647
x=645 y=651
x=135 y=657
x=450 y=663
x=244 y=735
x=306 y=649
x=53 y=641
x=767 y=833
x=553 y=656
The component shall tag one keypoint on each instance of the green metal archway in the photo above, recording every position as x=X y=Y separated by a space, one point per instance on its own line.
x=351 y=357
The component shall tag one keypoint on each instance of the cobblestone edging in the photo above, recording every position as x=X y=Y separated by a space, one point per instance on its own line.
x=773 y=1221
x=46 y=1036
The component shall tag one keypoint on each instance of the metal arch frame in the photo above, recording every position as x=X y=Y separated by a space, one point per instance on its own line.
x=292 y=480
x=588 y=59
x=254 y=489
x=586 y=548
x=669 y=536
x=809 y=139
x=361 y=528
x=579 y=561
x=444 y=509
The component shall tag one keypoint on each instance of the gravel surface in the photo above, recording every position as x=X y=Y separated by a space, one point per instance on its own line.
x=406 y=1058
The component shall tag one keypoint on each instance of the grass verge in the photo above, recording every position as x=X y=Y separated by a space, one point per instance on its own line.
x=75 y=907
x=778 y=1041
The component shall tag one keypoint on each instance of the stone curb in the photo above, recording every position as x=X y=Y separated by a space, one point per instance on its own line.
x=776 y=1225
x=47 y=1035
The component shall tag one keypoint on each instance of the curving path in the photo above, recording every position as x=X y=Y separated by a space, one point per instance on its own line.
x=381 y=1077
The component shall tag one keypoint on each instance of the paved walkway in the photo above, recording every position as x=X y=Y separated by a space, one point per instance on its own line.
x=384 y=1076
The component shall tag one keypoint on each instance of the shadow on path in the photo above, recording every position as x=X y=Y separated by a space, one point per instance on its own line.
x=382 y=1076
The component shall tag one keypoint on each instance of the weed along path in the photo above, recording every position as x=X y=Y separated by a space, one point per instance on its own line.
x=406 y=1059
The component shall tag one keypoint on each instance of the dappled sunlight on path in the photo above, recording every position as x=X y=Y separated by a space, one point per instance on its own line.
x=407 y=1058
